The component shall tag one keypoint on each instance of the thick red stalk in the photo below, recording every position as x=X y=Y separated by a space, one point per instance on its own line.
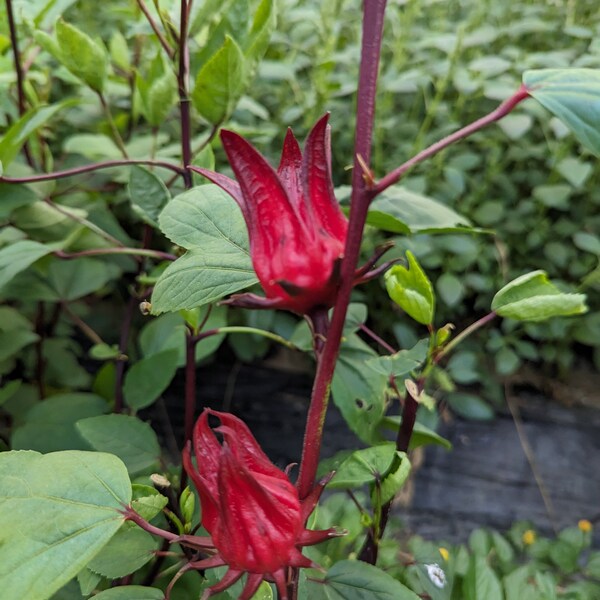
x=184 y=101
x=190 y=392
x=373 y=16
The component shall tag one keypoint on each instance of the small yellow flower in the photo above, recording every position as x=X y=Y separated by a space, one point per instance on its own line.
x=585 y=526
x=529 y=537
x=445 y=554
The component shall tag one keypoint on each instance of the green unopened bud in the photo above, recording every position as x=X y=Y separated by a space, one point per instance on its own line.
x=443 y=334
x=187 y=504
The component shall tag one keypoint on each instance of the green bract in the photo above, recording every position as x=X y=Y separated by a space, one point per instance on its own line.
x=411 y=290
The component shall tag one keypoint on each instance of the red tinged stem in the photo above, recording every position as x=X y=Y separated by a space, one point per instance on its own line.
x=506 y=107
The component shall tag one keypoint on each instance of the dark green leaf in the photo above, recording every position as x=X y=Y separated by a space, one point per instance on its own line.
x=131 y=592
x=50 y=425
x=148 y=378
x=358 y=390
x=18 y=256
x=470 y=406
x=403 y=362
x=148 y=194
x=128 y=550
x=356 y=580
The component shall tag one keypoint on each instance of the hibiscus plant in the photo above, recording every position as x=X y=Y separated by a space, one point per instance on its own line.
x=92 y=506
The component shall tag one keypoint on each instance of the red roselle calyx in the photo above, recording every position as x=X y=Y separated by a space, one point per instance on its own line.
x=296 y=229
x=249 y=507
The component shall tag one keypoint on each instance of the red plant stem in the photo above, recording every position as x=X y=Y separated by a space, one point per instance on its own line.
x=123 y=341
x=94 y=167
x=131 y=515
x=14 y=40
x=40 y=361
x=377 y=339
x=161 y=38
x=370 y=549
x=506 y=107
x=190 y=392
x=184 y=101
x=373 y=17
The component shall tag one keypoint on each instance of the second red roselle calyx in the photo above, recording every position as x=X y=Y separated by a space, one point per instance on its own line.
x=249 y=507
x=296 y=229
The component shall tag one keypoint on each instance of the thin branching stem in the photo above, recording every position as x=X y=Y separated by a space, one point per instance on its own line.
x=93 y=167
x=159 y=35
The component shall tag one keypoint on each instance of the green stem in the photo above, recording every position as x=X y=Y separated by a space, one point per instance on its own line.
x=83 y=221
x=132 y=251
x=113 y=127
x=464 y=334
x=253 y=330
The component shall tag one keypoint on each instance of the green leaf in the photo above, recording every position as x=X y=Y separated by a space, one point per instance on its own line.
x=204 y=218
x=358 y=390
x=8 y=390
x=481 y=581
x=168 y=331
x=14 y=340
x=27 y=125
x=148 y=194
x=206 y=221
x=129 y=438
x=399 y=210
x=127 y=551
x=411 y=289
x=421 y=436
x=148 y=378
x=56 y=512
x=18 y=256
x=364 y=467
x=263 y=25
x=356 y=580
x=81 y=55
x=403 y=362
x=394 y=479
x=573 y=95
x=87 y=582
x=157 y=97
x=220 y=83
x=14 y=196
x=131 y=592
x=73 y=279
x=532 y=297
x=470 y=406
x=198 y=278
x=50 y=425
